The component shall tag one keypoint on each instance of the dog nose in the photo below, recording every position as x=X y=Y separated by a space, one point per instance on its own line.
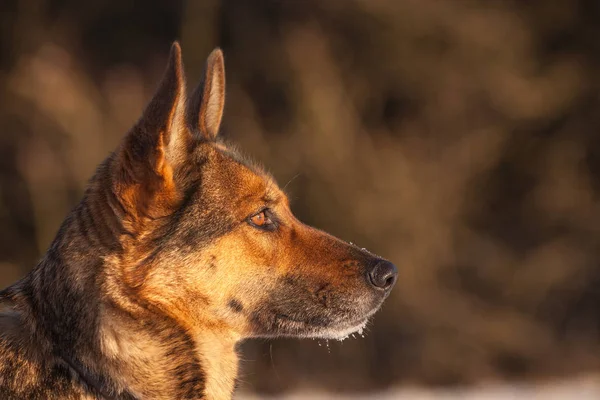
x=383 y=275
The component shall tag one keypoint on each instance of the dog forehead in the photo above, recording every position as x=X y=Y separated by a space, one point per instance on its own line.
x=241 y=177
x=257 y=185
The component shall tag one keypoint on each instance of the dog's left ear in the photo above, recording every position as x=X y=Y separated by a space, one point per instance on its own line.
x=145 y=165
x=205 y=106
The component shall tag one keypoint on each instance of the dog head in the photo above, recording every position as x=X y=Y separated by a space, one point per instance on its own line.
x=209 y=238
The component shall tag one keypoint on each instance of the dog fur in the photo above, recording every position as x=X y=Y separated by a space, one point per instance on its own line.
x=179 y=249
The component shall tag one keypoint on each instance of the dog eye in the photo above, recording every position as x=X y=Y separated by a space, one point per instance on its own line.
x=262 y=220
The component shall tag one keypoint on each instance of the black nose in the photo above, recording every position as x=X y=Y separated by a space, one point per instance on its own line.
x=383 y=275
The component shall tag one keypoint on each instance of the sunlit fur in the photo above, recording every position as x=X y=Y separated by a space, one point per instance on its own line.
x=157 y=274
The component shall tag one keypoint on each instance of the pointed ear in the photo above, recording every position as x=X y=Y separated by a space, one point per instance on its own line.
x=156 y=145
x=161 y=125
x=205 y=108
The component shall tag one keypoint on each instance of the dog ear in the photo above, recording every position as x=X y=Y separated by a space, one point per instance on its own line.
x=205 y=108
x=155 y=147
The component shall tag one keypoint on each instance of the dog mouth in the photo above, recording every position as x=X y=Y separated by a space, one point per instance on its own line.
x=293 y=312
x=330 y=329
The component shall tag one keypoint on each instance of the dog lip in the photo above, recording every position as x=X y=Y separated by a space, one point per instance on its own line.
x=341 y=329
x=288 y=317
x=332 y=324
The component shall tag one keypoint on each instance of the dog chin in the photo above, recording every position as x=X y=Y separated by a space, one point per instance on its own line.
x=341 y=333
x=344 y=329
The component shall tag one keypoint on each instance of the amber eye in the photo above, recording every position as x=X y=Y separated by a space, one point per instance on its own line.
x=262 y=220
x=259 y=219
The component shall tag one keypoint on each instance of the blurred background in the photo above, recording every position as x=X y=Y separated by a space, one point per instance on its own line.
x=459 y=139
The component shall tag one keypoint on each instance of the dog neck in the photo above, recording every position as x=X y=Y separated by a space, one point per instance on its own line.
x=153 y=355
x=116 y=346
x=220 y=362
x=115 y=342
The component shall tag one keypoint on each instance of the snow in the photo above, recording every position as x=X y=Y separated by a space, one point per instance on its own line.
x=582 y=389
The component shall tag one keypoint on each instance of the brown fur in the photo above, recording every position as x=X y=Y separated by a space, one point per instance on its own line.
x=159 y=271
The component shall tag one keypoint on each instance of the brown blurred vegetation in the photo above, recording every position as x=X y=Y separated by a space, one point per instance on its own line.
x=460 y=139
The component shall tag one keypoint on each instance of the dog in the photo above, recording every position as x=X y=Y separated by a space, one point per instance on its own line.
x=180 y=249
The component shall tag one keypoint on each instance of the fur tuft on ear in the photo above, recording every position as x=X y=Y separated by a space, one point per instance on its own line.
x=205 y=108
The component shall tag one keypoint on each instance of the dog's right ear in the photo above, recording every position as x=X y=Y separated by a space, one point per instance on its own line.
x=205 y=107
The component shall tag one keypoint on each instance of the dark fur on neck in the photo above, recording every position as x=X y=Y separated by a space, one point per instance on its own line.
x=58 y=323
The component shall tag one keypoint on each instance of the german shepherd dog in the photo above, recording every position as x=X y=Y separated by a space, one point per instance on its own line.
x=179 y=250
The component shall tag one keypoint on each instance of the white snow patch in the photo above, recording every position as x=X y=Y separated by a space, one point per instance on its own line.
x=579 y=389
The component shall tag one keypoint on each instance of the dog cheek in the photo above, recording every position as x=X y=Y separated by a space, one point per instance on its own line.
x=235 y=306
x=261 y=322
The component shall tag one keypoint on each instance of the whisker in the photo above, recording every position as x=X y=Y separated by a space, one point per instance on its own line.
x=290 y=181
